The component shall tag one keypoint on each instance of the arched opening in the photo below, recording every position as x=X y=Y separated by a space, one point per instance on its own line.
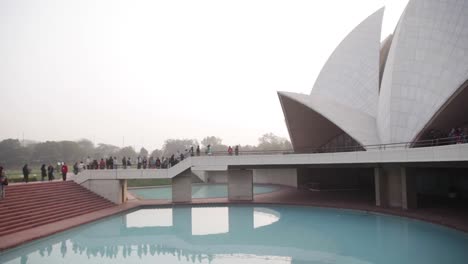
x=453 y=115
x=311 y=132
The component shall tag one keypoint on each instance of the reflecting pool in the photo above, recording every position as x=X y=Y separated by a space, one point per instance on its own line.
x=198 y=191
x=248 y=234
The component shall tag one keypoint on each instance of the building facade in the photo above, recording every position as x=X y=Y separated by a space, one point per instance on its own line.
x=410 y=87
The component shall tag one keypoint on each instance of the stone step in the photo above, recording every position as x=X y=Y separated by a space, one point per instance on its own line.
x=24 y=217
x=35 y=186
x=31 y=205
x=51 y=220
x=21 y=186
x=76 y=202
x=26 y=198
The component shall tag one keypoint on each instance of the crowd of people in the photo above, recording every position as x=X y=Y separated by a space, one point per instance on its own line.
x=143 y=162
x=47 y=172
x=454 y=136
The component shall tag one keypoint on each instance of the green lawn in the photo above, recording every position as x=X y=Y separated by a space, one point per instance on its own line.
x=148 y=182
x=35 y=175
x=17 y=175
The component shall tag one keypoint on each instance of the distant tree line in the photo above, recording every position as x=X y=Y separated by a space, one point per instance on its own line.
x=14 y=154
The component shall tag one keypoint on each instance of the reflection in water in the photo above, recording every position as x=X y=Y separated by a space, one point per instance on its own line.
x=245 y=234
x=210 y=220
x=265 y=216
x=149 y=217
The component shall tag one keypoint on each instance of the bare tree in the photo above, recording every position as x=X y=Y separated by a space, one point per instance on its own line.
x=171 y=146
x=270 y=141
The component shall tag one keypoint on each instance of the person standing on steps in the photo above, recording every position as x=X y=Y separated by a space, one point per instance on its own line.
x=3 y=183
x=64 y=171
x=26 y=172
x=50 y=172
x=43 y=172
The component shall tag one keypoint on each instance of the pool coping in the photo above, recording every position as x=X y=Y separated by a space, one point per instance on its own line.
x=18 y=238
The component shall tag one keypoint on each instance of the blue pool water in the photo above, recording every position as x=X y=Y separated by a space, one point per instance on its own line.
x=198 y=191
x=249 y=234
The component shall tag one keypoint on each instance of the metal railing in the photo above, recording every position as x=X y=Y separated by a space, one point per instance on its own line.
x=354 y=148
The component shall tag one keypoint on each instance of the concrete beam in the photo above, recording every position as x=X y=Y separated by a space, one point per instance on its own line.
x=240 y=185
x=182 y=187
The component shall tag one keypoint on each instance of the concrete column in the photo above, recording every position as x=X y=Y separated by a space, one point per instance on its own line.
x=240 y=185
x=408 y=190
x=380 y=181
x=394 y=187
x=182 y=187
x=123 y=185
x=109 y=189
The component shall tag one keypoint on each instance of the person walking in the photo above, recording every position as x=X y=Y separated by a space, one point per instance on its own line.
x=124 y=162
x=3 y=183
x=230 y=151
x=88 y=163
x=102 y=164
x=50 y=172
x=64 y=171
x=26 y=172
x=198 y=150
x=139 y=162
x=75 y=168
x=81 y=166
x=158 y=163
x=43 y=172
x=236 y=150
x=191 y=152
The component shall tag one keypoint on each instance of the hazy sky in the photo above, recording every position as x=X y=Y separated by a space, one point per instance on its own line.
x=144 y=71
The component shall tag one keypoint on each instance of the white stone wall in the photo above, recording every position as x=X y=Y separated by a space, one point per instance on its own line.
x=357 y=124
x=427 y=62
x=351 y=74
x=182 y=187
x=240 y=185
x=286 y=177
x=109 y=189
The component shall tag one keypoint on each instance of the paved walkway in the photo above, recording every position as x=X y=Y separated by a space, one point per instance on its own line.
x=454 y=218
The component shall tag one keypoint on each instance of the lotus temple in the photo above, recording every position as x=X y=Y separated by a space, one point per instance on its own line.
x=378 y=173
